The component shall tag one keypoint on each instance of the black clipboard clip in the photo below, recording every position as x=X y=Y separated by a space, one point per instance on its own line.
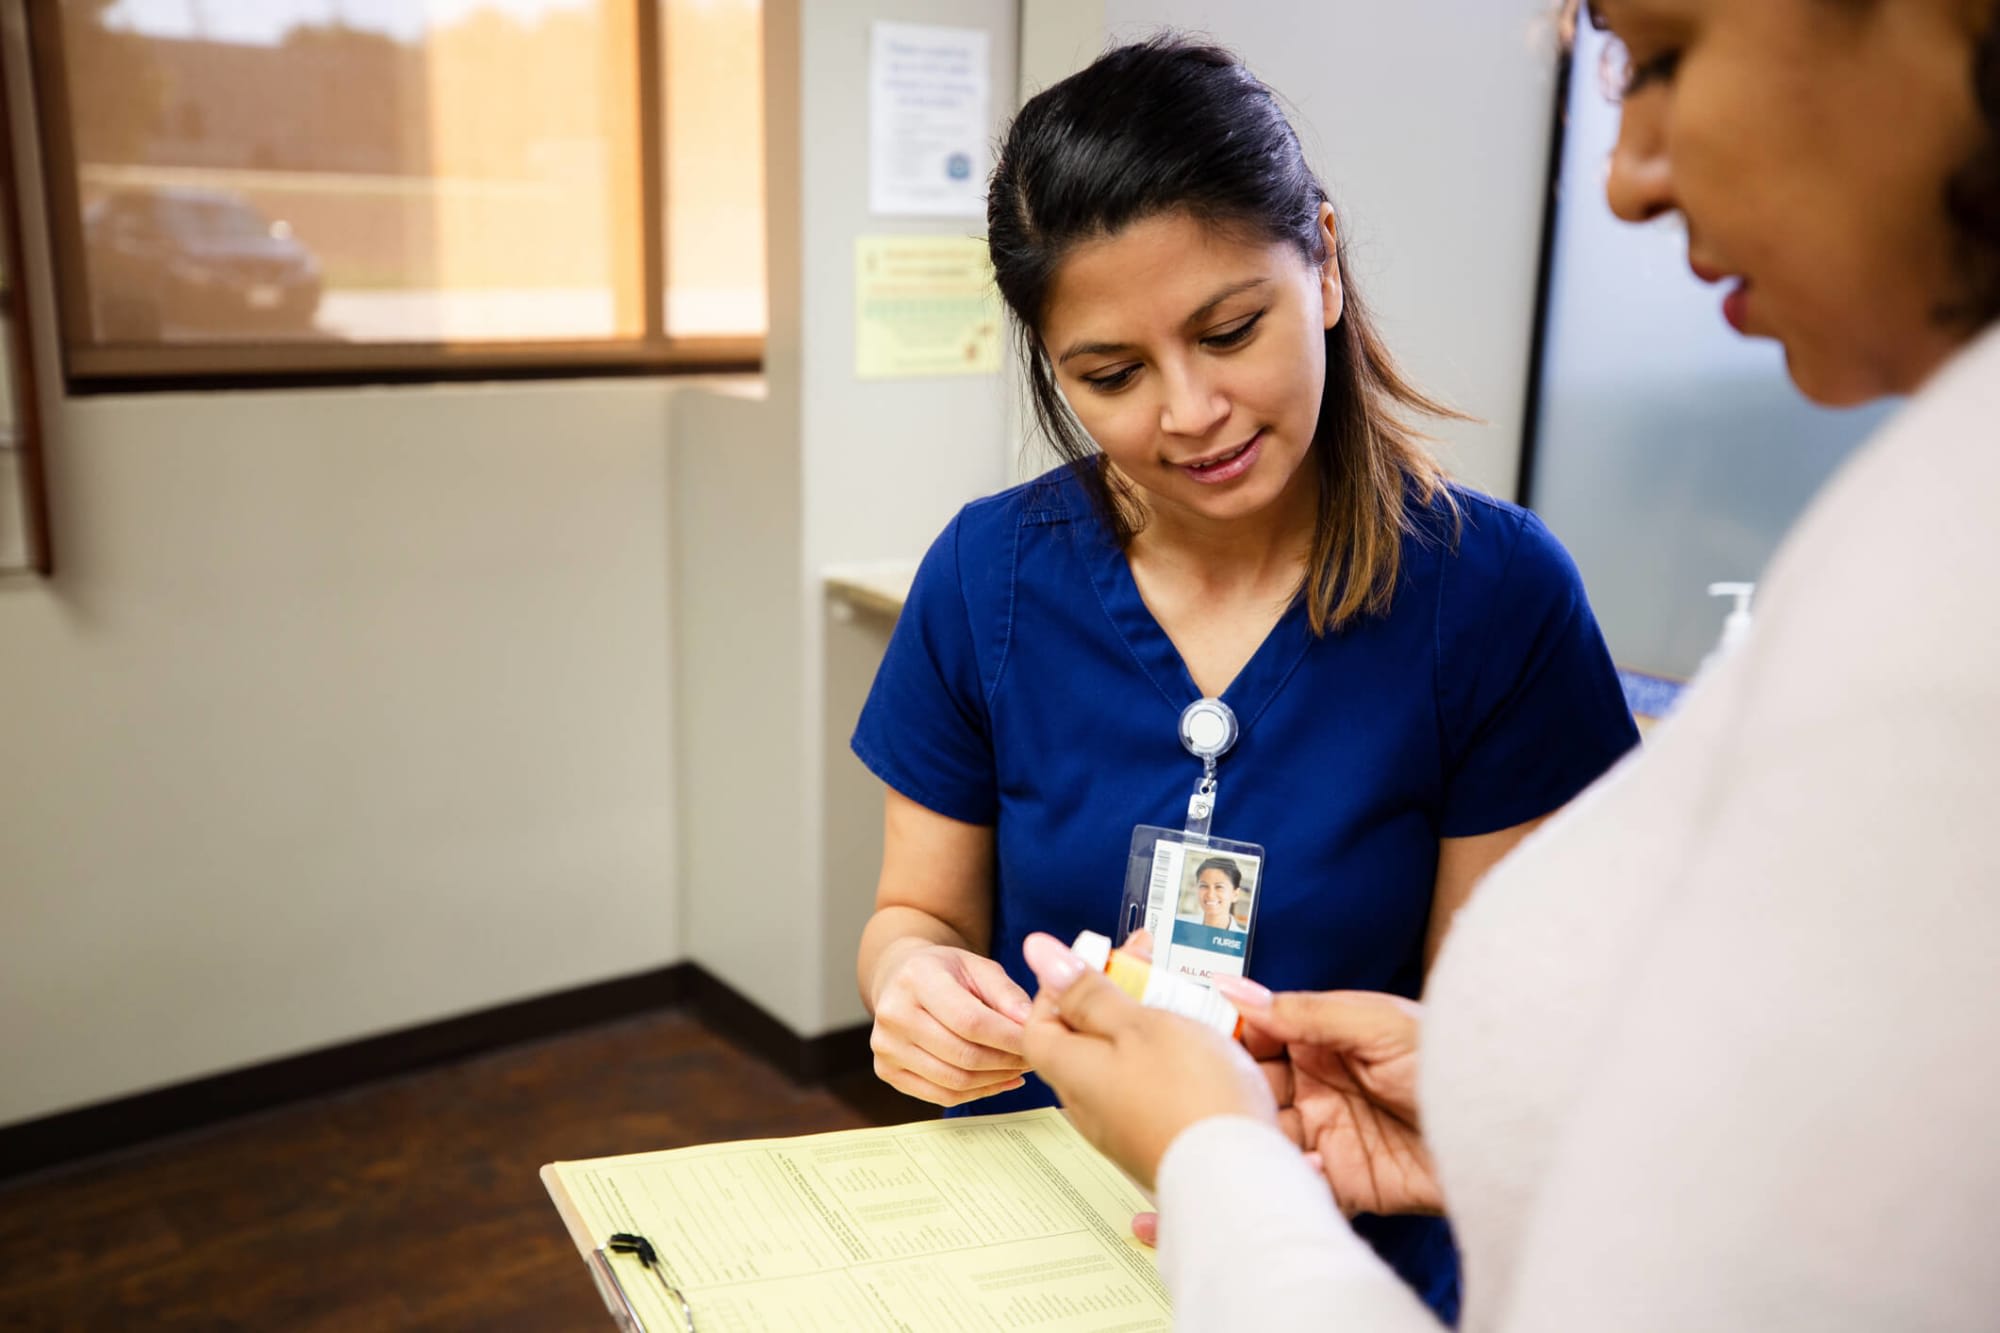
x=613 y=1291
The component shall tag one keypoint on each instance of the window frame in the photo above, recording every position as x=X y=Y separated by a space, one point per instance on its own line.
x=90 y=368
x=16 y=308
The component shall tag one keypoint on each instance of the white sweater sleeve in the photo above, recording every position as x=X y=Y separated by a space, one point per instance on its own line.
x=1250 y=1239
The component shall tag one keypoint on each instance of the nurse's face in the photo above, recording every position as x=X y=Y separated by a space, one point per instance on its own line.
x=1807 y=144
x=1195 y=359
x=1216 y=895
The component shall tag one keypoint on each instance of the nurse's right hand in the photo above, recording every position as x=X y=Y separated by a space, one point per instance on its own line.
x=948 y=1026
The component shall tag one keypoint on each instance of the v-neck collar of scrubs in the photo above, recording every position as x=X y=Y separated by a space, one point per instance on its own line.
x=1254 y=687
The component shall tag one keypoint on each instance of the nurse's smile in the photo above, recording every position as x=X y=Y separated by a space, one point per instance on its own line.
x=1228 y=465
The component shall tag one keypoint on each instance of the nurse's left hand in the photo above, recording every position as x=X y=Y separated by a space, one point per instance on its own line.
x=1131 y=1078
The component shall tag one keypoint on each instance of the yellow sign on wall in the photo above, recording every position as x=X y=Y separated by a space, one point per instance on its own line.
x=924 y=305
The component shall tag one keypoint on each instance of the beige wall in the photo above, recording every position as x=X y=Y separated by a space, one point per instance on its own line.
x=348 y=710
x=782 y=826
x=1058 y=38
x=750 y=892
x=887 y=462
x=14 y=555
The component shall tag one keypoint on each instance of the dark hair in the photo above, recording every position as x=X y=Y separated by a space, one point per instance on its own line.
x=1225 y=865
x=1172 y=126
x=1972 y=195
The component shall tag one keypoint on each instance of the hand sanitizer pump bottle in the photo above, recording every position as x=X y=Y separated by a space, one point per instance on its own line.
x=1735 y=626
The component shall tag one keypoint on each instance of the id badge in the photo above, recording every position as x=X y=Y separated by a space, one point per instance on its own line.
x=1197 y=896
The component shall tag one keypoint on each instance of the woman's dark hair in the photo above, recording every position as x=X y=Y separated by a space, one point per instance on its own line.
x=1225 y=865
x=1172 y=126
x=1972 y=195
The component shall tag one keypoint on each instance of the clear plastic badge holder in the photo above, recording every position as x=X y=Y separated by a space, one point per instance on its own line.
x=1195 y=894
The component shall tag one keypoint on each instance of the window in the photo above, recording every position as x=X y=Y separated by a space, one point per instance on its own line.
x=248 y=189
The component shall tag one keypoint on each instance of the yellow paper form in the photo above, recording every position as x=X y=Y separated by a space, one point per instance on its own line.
x=949 y=1226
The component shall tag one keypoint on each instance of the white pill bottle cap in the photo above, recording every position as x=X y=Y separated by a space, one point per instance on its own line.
x=1094 y=949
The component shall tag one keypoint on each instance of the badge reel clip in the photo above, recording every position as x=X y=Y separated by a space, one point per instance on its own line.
x=1195 y=894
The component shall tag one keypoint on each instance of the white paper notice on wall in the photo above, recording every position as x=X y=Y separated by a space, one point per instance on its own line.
x=929 y=94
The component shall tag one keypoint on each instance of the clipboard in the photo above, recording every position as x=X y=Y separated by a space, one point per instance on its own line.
x=1018 y=1204
x=597 y=1258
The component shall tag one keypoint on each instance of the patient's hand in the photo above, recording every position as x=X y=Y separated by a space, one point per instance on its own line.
x=1343 y=1067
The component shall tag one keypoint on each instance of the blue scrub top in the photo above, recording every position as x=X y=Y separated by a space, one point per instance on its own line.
x=1027 y=687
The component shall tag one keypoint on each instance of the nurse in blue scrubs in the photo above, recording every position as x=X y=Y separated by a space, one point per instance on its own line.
x=1245 y=511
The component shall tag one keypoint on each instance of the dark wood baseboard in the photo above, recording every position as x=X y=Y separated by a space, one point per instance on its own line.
x=804 y=1059
x=126 y=1122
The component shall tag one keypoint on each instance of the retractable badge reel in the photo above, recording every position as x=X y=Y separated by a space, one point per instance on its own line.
x=1208 y=729
x=1193 y=892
